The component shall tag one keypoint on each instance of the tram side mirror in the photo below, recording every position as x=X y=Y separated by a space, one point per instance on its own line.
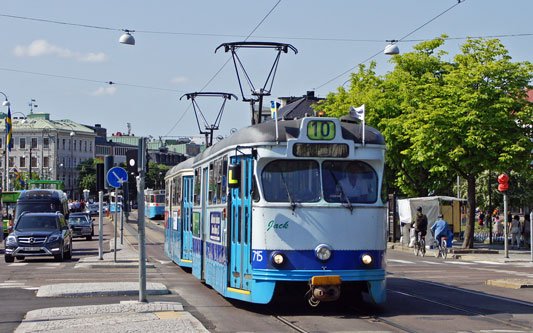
x=234 y=175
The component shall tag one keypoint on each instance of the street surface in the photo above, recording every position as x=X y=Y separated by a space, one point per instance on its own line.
x=424 y=294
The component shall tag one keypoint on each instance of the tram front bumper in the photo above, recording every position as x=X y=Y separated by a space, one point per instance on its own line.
x=325 y=288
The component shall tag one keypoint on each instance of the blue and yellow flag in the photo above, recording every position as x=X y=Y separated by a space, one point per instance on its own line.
x=17 y=176
x=9 y=130
x=273 y=109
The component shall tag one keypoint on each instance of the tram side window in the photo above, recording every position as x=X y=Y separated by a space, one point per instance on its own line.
x=212 y=183
x=177 y=191
x=169 y=193
x=291 y=181
x=223 y=181
x=197 y=186
x=352 y=181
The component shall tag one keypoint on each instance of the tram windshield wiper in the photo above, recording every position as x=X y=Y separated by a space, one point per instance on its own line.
x=293 y=204
x=337 y=184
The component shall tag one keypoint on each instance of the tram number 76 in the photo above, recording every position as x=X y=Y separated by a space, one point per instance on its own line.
x=321 y=130
x=257 y=255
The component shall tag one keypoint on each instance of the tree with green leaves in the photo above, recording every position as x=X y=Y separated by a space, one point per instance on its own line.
x=441 y=119
x=87 y=175
x=155 y=177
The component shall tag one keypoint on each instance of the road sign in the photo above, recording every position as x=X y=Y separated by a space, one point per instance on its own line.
x=117 y=176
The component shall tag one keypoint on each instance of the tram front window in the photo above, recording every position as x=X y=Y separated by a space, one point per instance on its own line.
x=349 y=182
x=291 y=181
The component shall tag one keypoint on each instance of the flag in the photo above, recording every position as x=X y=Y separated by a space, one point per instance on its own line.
x=9 y=130
x=358 y=113
x=17 y=176
x=273 y=110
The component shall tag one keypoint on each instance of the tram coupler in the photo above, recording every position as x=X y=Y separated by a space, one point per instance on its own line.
x=324 y=288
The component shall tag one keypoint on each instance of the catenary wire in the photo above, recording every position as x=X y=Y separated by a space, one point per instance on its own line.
x=224 y=65
x=407 y=35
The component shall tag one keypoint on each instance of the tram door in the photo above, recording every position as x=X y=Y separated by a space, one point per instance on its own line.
x=186 y=216
x=239 y=232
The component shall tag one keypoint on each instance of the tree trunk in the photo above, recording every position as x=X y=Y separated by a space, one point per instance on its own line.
x=471 y=206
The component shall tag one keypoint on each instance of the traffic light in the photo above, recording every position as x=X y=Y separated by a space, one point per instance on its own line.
x=503 y=179
x=108 y=164
x=131 y=161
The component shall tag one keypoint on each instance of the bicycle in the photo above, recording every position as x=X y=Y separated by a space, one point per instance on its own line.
x=441 y=249
x=420 y=246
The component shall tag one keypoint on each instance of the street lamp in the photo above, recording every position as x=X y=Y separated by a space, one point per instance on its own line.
x=127 y=38
x=72 y=134
x=6 y=178
x=392 y=49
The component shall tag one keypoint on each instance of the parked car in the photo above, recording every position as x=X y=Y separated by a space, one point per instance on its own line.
x=81 y=225
x=39 y=234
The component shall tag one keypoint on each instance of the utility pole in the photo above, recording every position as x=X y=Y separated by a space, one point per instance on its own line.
x=140 y=219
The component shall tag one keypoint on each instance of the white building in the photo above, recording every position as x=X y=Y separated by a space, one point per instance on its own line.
x=51 y=148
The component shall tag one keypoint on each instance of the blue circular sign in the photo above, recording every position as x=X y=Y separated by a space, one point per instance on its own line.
x=117 y=176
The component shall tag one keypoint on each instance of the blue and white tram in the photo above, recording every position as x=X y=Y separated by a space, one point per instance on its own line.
x=303 y=207
x=154 y=203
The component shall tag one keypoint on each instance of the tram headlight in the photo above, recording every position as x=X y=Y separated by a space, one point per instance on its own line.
x=367 y=259
x=323 y=252
x=278 y=258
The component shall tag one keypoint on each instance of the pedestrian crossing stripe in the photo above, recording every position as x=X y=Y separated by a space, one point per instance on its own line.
x=432 y=262
x=18 y=264
x=489 y=262
x=460 y=262
x=400 y=261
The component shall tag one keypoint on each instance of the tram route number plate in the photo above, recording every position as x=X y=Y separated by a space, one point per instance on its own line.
x=325 y=280
x=321 y=130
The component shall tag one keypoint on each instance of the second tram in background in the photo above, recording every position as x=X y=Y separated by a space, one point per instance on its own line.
x=154 y=203
x=297 y=207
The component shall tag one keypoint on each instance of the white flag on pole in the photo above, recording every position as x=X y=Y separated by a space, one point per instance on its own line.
x=358 y=113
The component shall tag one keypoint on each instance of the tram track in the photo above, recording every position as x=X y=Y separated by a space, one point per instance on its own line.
x=462 y=309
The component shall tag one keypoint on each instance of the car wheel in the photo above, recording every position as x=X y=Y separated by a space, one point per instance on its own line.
x=61 y=255
x=9 y=258
x=68 y=256
x=20 y=257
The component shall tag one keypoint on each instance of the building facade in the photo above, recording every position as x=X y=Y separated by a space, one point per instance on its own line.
x=52 y=149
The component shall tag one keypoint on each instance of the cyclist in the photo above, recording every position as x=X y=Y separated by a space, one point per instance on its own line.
x=420 y=223
x=440 y=229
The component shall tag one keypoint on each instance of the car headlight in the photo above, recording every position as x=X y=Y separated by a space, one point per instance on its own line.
x=11 y=240
x=53 y=238
x=323 y=252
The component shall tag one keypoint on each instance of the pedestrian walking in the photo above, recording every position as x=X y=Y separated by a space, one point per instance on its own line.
x=481 y=219
x=526 y=230
x=498 y=227
x=515 y=231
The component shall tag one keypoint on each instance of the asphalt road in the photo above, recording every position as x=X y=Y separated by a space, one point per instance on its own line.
x=424 y=294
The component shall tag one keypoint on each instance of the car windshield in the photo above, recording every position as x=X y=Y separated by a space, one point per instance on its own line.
x=78 y=219
x=291 y=181
x=26 y=223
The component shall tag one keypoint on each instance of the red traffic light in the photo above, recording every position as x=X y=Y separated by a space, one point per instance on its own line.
x=503 y=179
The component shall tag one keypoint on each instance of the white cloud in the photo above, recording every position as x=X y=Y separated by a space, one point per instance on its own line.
x=104 y=91
x=179 y=79
x=41 y=47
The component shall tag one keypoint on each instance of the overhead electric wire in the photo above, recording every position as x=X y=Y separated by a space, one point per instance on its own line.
x=410 y=33
x=224 y=65
x=87 y=80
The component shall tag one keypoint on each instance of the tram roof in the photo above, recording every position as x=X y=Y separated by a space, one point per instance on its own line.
x=187 y=164
x=289 y=129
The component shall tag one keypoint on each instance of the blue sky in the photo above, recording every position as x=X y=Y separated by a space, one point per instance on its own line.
x=77 y=61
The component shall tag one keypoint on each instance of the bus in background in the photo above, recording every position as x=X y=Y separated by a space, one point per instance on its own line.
x=154 y=203
x=34 y=184
x=9 y=203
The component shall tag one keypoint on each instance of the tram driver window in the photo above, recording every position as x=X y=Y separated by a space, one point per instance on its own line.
x=353 y=181
x=291 y=181
x=197 y=186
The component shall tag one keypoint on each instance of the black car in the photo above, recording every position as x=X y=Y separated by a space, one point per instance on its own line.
x=81 y=225
x=39 y=234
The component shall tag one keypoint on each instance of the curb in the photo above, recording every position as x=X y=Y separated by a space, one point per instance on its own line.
x=99 y=289
x=511 y=283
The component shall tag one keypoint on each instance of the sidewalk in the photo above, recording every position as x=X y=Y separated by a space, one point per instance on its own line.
x=127 y=316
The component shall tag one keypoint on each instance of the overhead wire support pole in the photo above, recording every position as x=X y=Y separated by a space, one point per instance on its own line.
x=257 y=94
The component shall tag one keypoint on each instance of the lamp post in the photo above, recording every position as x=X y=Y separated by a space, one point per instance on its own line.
x=6 y=174
x=72 y=134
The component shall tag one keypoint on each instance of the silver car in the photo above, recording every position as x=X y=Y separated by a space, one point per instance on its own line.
x=81 y=225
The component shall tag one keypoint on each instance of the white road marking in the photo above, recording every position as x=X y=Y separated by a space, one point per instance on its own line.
x=18 y=264
x=432 y=262
x=489 y=262
x=400 y=261
x=459 y=262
